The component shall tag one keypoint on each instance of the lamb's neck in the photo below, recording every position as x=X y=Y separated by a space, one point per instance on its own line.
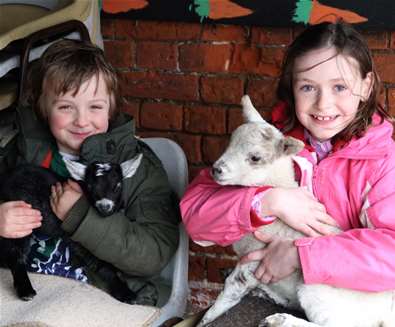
x=281 y=173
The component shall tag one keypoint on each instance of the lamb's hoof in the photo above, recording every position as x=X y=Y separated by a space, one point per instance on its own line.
x=276 y=320
x=27 y=295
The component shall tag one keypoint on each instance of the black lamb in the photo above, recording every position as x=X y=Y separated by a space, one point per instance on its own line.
x=32 y=184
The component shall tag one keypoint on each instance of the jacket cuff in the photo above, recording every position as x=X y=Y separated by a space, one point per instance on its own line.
x=76 y=215
x=311 y=273
x=256 y=218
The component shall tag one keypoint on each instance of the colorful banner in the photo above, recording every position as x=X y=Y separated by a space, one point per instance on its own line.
x=378 y=14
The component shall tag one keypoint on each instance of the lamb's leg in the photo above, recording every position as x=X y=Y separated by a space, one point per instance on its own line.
x=285 y=320
x=22 y=284
x=237 y=285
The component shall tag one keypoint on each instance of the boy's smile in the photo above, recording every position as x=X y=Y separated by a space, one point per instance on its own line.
x=72 y=117
x=328 y=88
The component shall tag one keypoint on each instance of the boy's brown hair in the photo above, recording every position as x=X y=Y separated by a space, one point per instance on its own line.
x=64 y=67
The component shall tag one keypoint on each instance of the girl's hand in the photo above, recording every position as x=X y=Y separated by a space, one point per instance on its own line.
x=18 y=219
x=279 y=258
x=298 y=208
x=63 y=197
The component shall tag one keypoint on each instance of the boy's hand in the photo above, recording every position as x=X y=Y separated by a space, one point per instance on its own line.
x=298 y=208
x=279 y=258
x=18 y=219
x=63 y=197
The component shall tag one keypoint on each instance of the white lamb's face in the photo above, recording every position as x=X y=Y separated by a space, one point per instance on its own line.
x=252 y=148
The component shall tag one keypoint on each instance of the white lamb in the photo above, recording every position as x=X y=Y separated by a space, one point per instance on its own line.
x=258 y=154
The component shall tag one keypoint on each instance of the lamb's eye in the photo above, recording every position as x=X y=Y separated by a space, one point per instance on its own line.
x=255 y=158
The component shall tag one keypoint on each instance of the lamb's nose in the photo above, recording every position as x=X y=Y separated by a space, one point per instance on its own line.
x=216 y=171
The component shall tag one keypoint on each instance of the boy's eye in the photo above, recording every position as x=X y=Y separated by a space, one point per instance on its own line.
x=64 y=107
x=97 y=107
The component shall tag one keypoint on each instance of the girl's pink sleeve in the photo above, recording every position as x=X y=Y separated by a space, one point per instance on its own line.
x=215 y=213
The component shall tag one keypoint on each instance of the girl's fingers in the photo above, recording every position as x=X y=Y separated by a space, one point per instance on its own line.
x=263 y=237
x=309 y=231
x=326 y=219
x=253 y=256
x=260 y=271
x=266 y=278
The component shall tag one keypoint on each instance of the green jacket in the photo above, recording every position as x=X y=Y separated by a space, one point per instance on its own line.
x=140 y=239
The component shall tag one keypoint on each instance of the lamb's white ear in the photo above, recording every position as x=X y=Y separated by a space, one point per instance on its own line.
x=250 y=114
x=292 y=146
x=76 y=169
x=129 y=167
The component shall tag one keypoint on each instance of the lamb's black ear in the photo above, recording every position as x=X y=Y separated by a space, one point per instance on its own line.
x=290 y=145
x=129 y=167
x=76 y=169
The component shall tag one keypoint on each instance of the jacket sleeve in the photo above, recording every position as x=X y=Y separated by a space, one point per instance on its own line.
x=214 y=213
x=361 y=258
x=139 y=240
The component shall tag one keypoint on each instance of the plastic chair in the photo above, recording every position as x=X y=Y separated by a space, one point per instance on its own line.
x=28 y=27
x=176 y=272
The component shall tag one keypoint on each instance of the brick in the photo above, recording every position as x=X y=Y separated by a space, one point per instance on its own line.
x=271 y=36
x=235 y=119
x=197 y=268
x=385 y=64
x=213 y=249
x=227 y=90
x=156 y=55
x=125 y=29
x=133 y=109
x=204 y=57
x=191 y=144
x=161 y=85
x=262 y=61
x=205 y=119
x=201 y=298
x=222 y=33
x=194 y=170
x=391 y=101
x=213 y=147
x=376 y=39
x=162 y=116
x=218 y=269
x=155 y=30
x=107 y=28
x=262 y=92
x=119 y=53
x=392 y=40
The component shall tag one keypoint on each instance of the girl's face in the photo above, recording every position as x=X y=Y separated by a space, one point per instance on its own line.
x=74 y=117
x=327 y=91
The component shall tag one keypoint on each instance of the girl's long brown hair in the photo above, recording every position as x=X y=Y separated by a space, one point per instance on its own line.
x=348 y=42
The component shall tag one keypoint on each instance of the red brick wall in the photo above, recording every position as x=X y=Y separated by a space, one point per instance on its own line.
x=184 y=81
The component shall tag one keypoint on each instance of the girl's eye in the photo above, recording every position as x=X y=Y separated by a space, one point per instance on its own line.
x=306 y=88
x=340 y=88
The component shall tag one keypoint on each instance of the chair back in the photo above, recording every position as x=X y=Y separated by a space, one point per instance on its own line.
x=176 y=272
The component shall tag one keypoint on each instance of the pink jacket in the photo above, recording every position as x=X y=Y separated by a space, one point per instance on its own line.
x=357 y=186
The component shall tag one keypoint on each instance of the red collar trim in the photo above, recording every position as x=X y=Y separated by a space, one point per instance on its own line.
x=46 y=163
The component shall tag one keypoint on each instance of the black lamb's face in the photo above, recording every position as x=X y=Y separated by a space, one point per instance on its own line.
x=104 y=185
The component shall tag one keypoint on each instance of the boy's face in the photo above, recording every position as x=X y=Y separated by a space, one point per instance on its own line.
x=327 y=90
x=74 y=117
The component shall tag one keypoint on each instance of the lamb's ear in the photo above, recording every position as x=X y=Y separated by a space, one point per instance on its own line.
x=76 y=169
x=250 y=114
x=291 y=146
x=129 y=167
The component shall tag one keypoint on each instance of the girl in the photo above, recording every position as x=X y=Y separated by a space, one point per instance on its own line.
x=75 y=94
x=329 y=99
